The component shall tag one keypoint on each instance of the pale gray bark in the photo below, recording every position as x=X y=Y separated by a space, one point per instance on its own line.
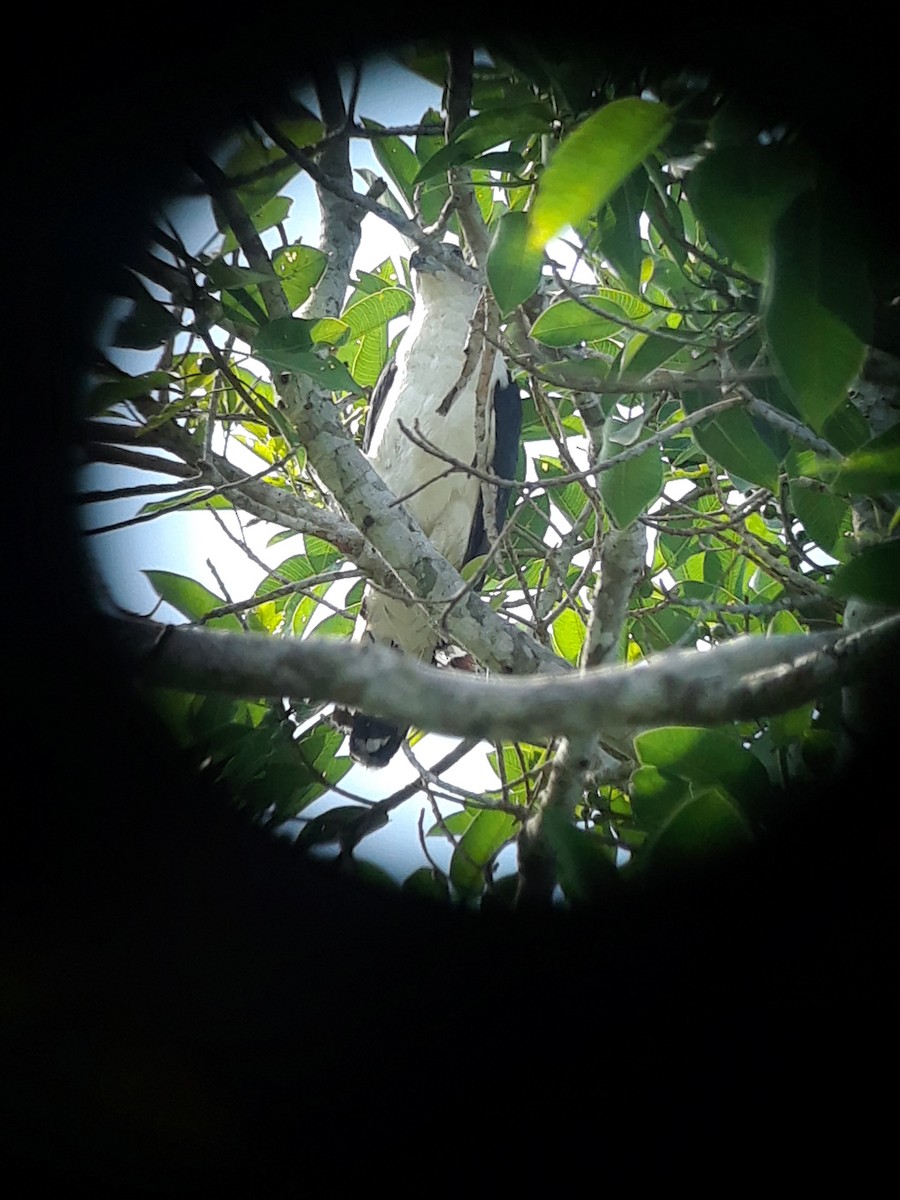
x=739 y=680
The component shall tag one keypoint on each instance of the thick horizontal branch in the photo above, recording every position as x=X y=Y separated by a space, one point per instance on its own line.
x=746 y=678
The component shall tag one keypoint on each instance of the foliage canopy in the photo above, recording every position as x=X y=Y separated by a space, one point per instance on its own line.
x=706 y=447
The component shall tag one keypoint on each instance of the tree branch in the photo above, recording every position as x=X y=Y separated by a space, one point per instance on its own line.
x=746 y=678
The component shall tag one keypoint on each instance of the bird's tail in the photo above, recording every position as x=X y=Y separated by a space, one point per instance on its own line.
x=374 y=742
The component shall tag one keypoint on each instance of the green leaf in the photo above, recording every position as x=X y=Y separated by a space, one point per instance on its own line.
x=731 y=439
x=281 y=339
x=786 y=728
x=567 y=323
x=201 y=501
x=705 y=825
x=336 y=626
x=456 y=825
x=273 y=212
x=396 y=158
x=191 y=598
x=739 y=192
x=129 y=387
x=376 y=310
x=873 y=575
x=251 y=156
x=366 y=356
x=655 y=796
x=826 y=518
x=285 y=344
x=584 y=870
x=817 y=308
x=847 y=429
x=513 y=271
x=427 y=883
x=568 y=633
x=662 y=630
x=299 y=268
x=703 y=756
x=299 y=567
x=874 y=468
x=369 y=873
x=619 y=231
x=487 y=834
x=646 y=352
x=225 y=277
x=611 y=299
x=486 y=129
x=147 y=326
x=629 y=488
x=329 y=331
x=328 y=372
x=784 y=623
x=331 y=826
x=592 y=162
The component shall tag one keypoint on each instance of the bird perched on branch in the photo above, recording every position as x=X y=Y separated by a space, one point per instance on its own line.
x=431 y=389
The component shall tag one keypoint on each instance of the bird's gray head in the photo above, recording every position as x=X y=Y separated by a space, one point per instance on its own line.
x=424 y=260
x=434 y=277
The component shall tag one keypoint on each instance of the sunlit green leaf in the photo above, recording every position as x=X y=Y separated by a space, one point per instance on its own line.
x=593 y=161
x=568 y=633
x=486 y=835
x=703 y=756
x=251 y=161
x=454 y=825
x=336 y=626
x=396 y=157
x=376 y=309
x=195 y=501
x=285 y=344
x=191 y=598
x=299 y=268
x=483 y=131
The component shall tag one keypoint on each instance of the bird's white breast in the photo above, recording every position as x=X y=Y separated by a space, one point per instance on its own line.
x=430 y=364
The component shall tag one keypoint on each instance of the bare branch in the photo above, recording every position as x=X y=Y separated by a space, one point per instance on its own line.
x=746 y=678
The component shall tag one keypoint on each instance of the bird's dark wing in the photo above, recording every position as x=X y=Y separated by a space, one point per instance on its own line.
x=507 y=436
x=376 y=403
x=508 y=418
